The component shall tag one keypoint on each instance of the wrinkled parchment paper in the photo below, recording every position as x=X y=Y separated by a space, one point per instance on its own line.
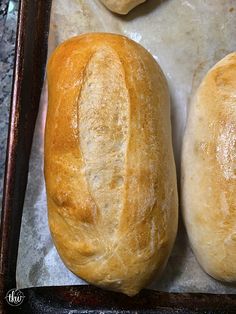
x=186 y=38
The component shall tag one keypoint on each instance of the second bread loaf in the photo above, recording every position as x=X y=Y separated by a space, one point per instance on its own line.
x=209 y=171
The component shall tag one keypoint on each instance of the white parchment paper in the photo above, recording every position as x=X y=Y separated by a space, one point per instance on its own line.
x=186 y=38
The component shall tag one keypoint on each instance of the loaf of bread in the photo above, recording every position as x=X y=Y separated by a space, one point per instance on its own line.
x=109 y=167
x=122 y=6
x=209 y=171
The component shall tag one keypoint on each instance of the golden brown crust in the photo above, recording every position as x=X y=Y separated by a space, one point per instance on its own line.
x=109 y=167
x=209 y=171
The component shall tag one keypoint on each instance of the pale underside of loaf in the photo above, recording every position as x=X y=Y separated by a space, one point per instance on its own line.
x=209 y=171
x=109 y=167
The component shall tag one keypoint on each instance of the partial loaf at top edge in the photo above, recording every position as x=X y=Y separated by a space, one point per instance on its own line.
x=121 y=7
